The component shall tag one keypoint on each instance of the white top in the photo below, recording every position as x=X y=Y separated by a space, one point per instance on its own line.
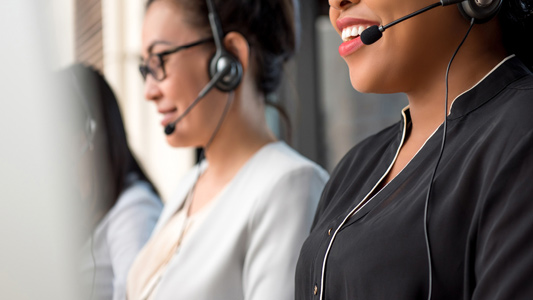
x=117 y=240
x=248 y=243
x=164 y=246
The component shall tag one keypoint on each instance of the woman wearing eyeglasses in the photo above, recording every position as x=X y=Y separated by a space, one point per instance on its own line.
x=235 y=225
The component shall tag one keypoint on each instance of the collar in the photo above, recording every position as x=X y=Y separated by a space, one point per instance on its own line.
x=506 y=72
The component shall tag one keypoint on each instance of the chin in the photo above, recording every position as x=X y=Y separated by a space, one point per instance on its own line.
x=180 y=140
x=363 y=83
x=372 y=82
x=175 y=141
x=363 y=74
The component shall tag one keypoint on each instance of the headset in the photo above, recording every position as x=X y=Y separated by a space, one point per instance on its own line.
x=477 y=12
x=222 y=57
x=480 y=10
x=224 y=69
x=90 y=125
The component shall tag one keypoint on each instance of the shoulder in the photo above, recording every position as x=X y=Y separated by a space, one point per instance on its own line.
x=279 y=176
x=139 y=195
x=277 y=162
x=525 y=83
x=518 y=99
x=511 y=114
x=137 y=207
x=134 y=216
x=285 y=192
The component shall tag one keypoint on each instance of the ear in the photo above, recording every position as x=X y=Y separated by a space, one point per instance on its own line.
x=236 y=44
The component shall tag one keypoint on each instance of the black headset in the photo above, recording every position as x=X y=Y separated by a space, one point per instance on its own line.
x=481 y=10
x=222 y=57
x=90 y=125
x=477 y=12
x=224 y=69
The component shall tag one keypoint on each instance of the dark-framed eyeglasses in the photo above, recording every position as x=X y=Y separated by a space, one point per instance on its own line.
x=155 y=65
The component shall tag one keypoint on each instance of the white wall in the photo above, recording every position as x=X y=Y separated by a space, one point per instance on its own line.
x=60 y=14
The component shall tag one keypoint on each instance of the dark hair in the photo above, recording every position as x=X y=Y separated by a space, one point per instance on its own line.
x=115 y=162
x=271 y=27
x=516 y=19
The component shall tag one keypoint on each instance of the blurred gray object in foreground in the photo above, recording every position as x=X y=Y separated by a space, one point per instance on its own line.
x=36 y=212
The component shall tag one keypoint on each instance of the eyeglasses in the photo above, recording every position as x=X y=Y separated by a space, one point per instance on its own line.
x=155 y=65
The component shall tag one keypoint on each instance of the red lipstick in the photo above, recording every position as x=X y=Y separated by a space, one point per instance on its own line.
x=350 y=47
x=354 y=44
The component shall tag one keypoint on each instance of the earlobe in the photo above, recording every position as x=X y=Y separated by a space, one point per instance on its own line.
x=237 y=45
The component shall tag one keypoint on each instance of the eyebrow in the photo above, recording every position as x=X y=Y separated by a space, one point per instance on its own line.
x=154 y=43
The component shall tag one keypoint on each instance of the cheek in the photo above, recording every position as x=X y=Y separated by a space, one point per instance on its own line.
x=404 y=56
x=187 y=76
x=187 y=81
x=197 y=127
x=373 y=70
x=333 y=16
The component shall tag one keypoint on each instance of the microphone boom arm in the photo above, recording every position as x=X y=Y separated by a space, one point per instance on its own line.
x=374 y=33
x=169 y=129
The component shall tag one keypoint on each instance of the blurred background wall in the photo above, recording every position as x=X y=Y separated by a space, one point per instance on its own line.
x=328 y=116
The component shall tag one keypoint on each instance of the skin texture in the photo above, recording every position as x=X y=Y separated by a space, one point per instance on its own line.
x=244 y=129
x=412 y=57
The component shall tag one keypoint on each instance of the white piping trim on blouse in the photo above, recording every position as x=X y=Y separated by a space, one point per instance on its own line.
x=363 y=202
x=490 y=72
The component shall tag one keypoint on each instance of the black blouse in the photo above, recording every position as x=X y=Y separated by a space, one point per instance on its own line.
x=480 y=212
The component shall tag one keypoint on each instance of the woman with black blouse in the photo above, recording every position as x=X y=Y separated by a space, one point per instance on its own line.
x=432 y=207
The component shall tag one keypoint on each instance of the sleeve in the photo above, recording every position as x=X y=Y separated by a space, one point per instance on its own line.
x=129 y=229
x=504 y=245
x=280 y=223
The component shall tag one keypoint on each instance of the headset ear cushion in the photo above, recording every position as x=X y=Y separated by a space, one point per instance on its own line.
x=218 y=62
x=470 y=9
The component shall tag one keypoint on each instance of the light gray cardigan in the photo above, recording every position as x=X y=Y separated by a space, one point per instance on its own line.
x=248 y=244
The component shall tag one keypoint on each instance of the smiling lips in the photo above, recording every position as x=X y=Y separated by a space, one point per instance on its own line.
x=168 y=116
x=351 y=30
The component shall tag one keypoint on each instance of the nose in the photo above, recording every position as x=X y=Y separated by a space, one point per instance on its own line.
x=342 y=4
x=151 y=89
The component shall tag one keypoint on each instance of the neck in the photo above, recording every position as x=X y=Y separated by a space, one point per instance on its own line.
x=238 y=139
x=427 y=103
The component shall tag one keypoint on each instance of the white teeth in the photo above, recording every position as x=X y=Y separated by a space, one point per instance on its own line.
x=352 y=32
x=360 y=30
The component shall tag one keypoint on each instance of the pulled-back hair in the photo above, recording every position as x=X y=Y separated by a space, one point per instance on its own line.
x=516 y=18
x=270 y=27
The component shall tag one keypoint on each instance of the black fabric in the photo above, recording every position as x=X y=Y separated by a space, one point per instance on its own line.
x=480 y=213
